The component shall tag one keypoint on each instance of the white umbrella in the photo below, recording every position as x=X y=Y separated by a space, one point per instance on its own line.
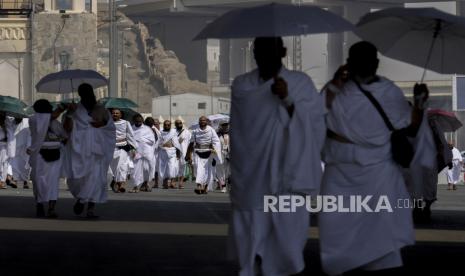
x=68 y=81
x=215 y=120
x=425 y=37
x=274 y=20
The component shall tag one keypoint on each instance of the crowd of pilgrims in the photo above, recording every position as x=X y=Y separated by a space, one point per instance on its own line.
x=145 y=154
x=282 y=129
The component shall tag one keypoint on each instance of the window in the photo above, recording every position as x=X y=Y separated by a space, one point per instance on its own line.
x=174 y=104
x=202 y=106
x=63 y=4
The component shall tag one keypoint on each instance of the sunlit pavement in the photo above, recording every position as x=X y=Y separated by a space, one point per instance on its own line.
x=176 y=232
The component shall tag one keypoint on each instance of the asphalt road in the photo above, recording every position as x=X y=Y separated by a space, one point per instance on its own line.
x=175 y=232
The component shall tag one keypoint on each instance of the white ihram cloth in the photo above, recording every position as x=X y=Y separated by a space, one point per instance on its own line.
x=145 y=140
x=154 y=166
x=223 y=170
x=421 y=177
x=273 y=154
x=7 y=147
x=203 y=169
x=453 y=175
x=45 y=175
x=364 y=240
x=119 y=165
x=89 y=152
x=168 y=165
x=20 y=163
x=184 y=140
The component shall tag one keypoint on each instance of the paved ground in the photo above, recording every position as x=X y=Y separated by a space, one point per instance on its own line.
x=175 y=232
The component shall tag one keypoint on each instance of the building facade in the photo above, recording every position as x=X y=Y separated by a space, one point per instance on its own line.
x=189 y=106
x=42 y=37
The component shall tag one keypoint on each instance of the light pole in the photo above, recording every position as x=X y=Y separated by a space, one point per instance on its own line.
x=124 y=66
x=124 y=81
x=113 y=45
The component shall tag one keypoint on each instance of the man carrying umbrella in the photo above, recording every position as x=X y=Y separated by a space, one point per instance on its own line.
x=359 y=162
x=89 y=151
x=277 y=117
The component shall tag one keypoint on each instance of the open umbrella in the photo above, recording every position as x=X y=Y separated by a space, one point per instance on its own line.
x=424 y=37
x=68 y=81
x=446 y=120
x=215 y=121
x=13 y=107
x=272 y=20
x=120 y=103
x=218 y=119
x=128 y=114
x=12 y=100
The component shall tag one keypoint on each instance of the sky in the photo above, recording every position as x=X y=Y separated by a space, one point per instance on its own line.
x=314 y=56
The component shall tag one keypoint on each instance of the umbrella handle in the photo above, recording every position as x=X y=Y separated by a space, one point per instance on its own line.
x=437 y=30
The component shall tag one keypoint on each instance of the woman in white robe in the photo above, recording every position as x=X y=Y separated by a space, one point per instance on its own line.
x=125 y=142
x=7 y=147
x=47 y=137
x=358 y=162
x=143 y=158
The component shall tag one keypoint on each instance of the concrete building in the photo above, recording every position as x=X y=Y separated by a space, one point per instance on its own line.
x=189 y=106
x=43 y=36
x=15 y=49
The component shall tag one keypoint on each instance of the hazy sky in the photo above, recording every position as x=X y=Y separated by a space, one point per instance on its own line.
x=314 y=56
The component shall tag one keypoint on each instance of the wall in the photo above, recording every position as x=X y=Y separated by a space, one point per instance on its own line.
x=15 y=58
x=76 y=35
x=187 y=106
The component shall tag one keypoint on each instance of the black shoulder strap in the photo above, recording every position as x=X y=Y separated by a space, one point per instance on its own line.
x=377 y=106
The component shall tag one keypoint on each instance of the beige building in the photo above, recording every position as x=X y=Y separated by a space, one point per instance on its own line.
x=41 y=37
x=190 y=106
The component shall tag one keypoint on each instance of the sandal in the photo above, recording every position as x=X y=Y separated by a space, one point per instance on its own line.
x=198 y=190
x=40 y=213
x=78 y=208
x=205 y=190
x=2 y=185
x=11 y=183
x=113 y=187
